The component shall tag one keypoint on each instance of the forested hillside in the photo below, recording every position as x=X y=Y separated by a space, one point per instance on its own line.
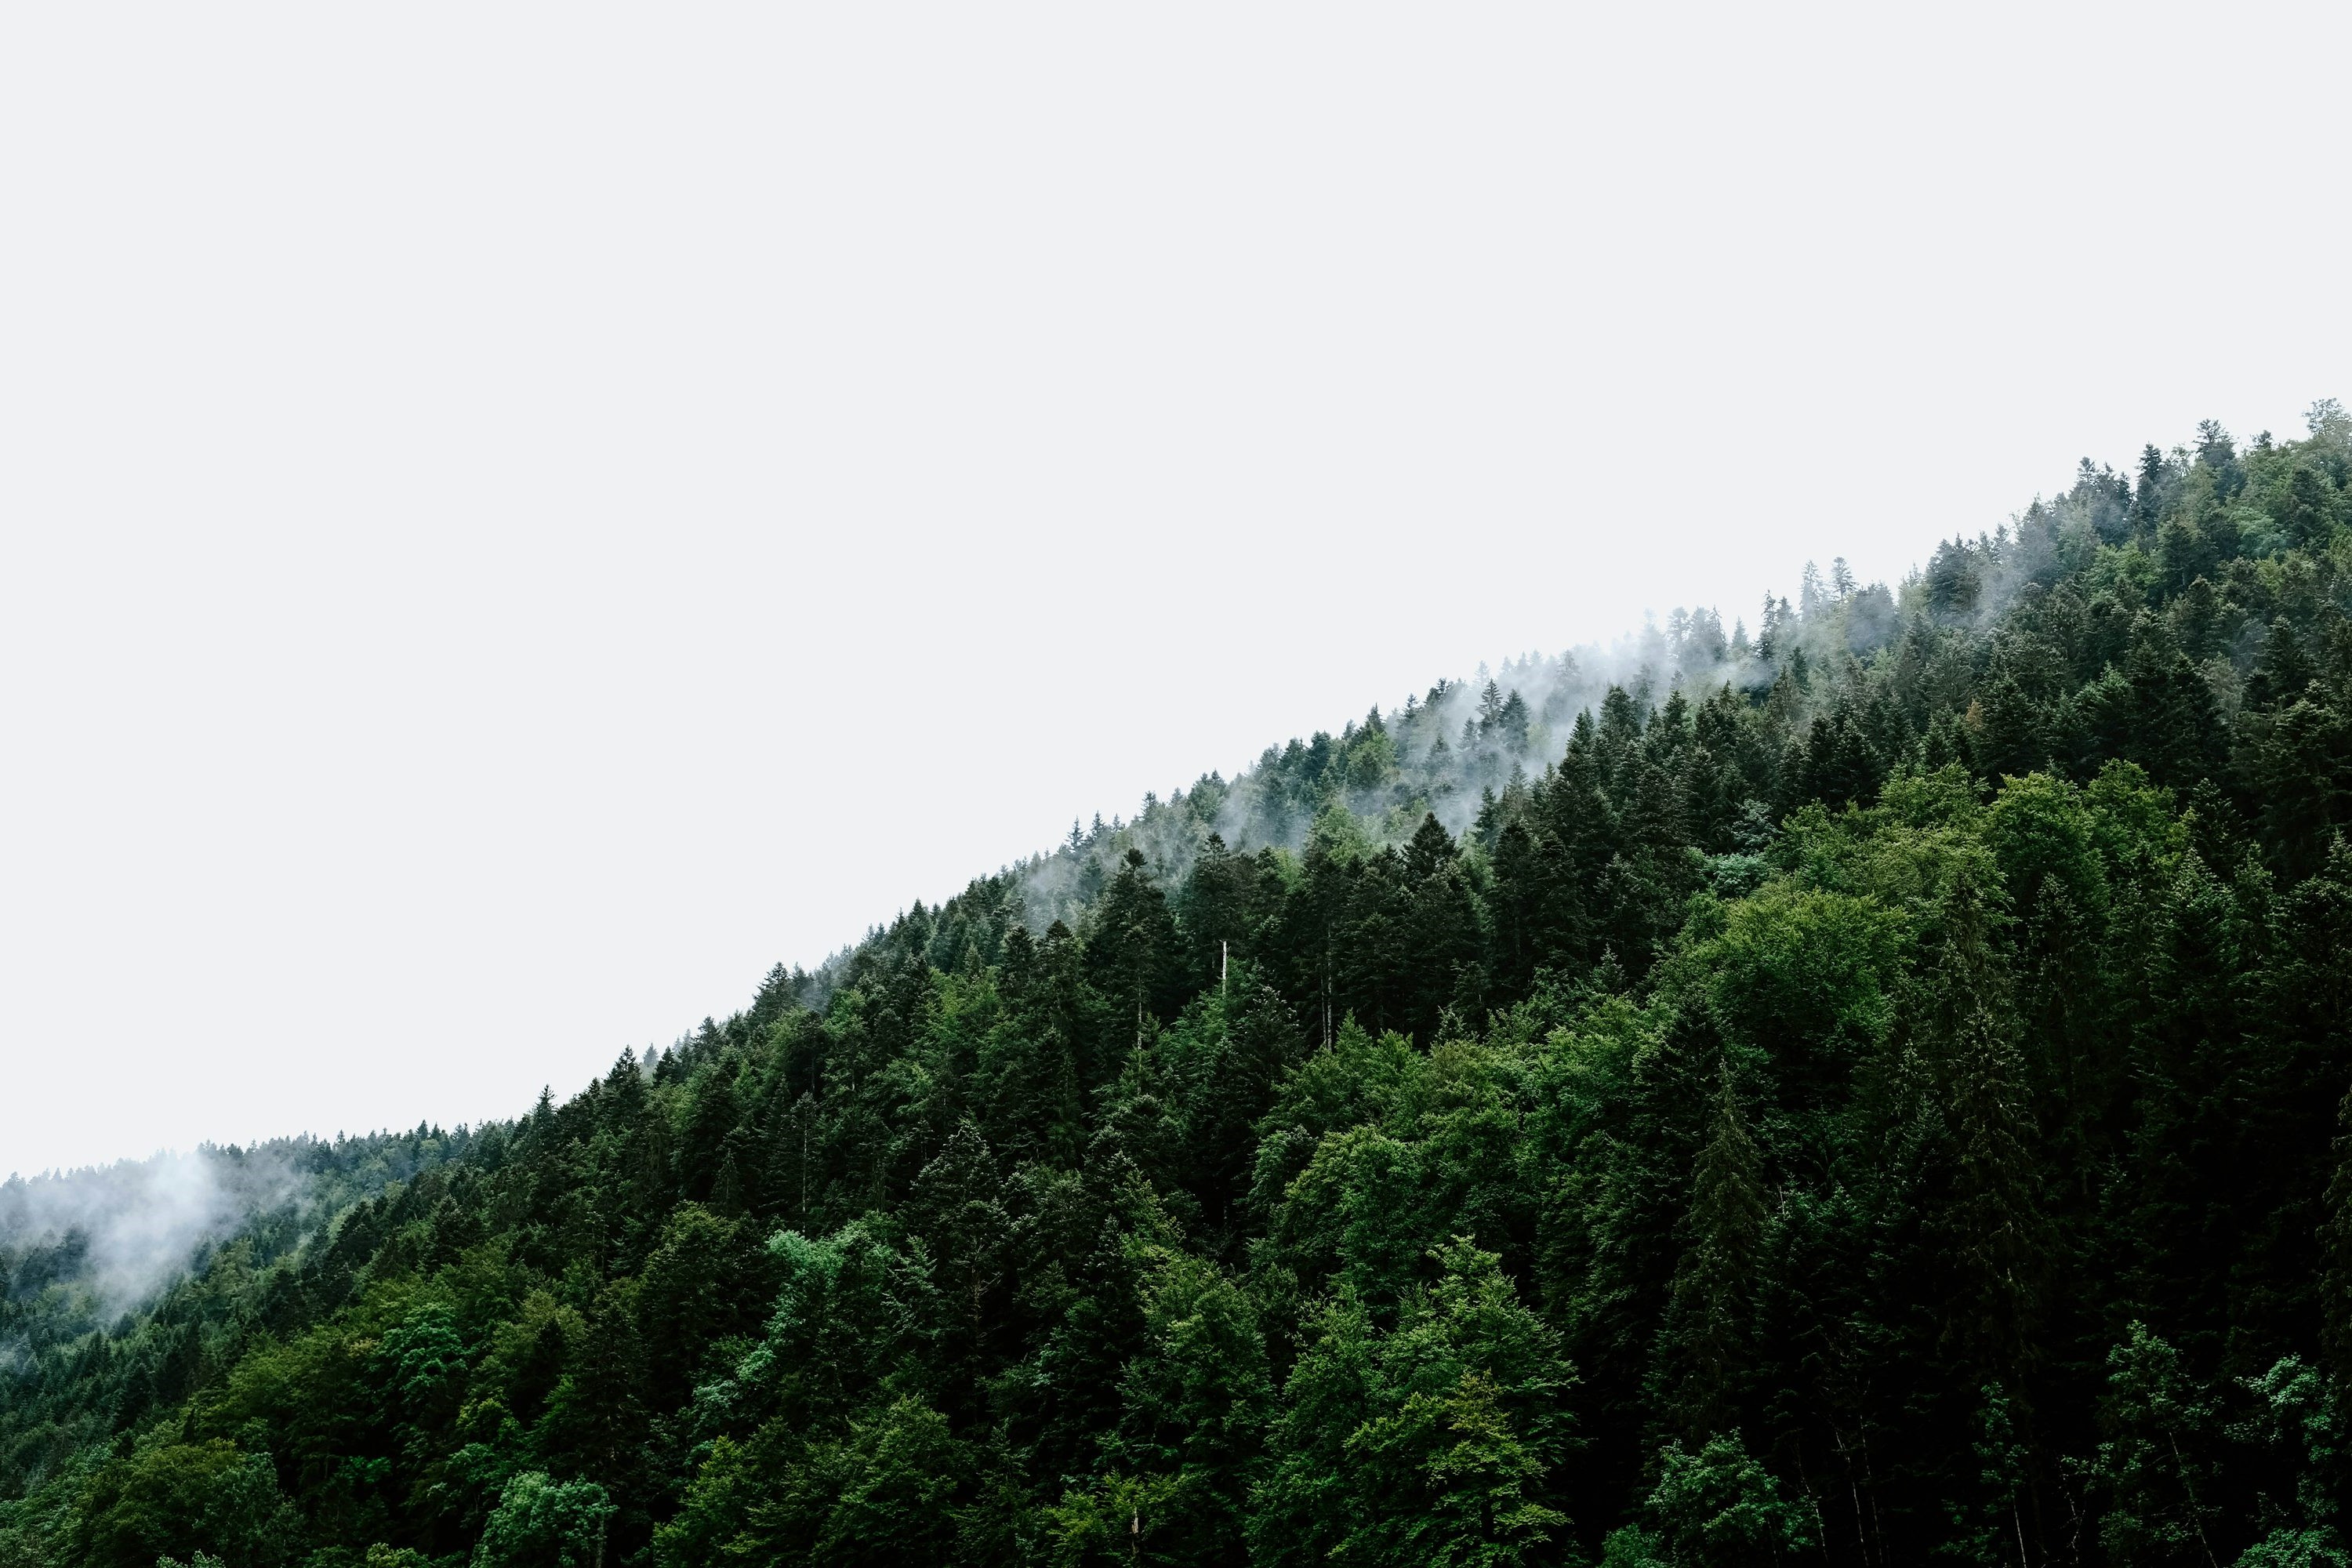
x=1863 y=1089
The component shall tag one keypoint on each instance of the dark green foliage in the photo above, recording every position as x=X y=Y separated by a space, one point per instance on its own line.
x=203 y=1497
x=1873 y=1093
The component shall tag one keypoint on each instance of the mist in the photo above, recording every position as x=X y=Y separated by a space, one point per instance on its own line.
x=1453 y=750
x=118 y=1233
x=1450 y=751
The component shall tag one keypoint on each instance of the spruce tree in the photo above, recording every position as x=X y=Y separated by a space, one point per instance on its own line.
x=1709 y=1310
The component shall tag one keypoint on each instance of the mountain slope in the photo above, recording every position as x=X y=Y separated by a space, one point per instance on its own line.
x=1866 y=1088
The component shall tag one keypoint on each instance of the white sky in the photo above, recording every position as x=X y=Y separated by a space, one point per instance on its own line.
x=514 y=518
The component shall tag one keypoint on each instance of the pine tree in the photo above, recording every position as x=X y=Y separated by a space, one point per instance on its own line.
x=1710 y=1308
x=2000 y=1237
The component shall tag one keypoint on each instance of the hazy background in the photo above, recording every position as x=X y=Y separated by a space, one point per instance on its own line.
x=514 y=518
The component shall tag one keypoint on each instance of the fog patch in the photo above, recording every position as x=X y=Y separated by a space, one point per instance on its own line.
x=121 y=1233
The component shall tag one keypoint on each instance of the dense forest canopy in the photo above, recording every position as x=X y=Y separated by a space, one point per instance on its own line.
x=1861 y=1089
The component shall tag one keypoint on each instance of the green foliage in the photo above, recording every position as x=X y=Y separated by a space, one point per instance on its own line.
x=2298 y=1423
x=1871 y=1089
x=541 y=1524
x=2157 y=1466
x=1433 y=1441
x=182 y=1496
x=1718 y=1508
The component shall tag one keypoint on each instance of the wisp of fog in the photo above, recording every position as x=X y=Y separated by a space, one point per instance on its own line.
x=119 y=1233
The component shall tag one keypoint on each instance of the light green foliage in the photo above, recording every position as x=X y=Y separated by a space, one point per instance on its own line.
x=2298 y=1423
x=2155 y=1466
x=1119 y=1519
x=1809 y=973
x=1434 y=1441
x=1718 y=1507
x=542 y=1523
x=381 y=1556
x=2042 y=833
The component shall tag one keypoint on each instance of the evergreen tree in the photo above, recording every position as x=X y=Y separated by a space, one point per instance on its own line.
x=2156 y=1468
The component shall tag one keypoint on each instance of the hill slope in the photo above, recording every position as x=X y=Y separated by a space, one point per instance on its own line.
x=1866 y=1088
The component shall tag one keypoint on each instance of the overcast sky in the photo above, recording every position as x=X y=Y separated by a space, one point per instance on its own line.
x=513 y=520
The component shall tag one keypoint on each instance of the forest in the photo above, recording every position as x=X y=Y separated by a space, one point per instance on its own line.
x=1866 y=1088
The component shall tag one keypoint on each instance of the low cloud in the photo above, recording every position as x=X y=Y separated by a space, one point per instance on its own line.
x=122 y=1232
